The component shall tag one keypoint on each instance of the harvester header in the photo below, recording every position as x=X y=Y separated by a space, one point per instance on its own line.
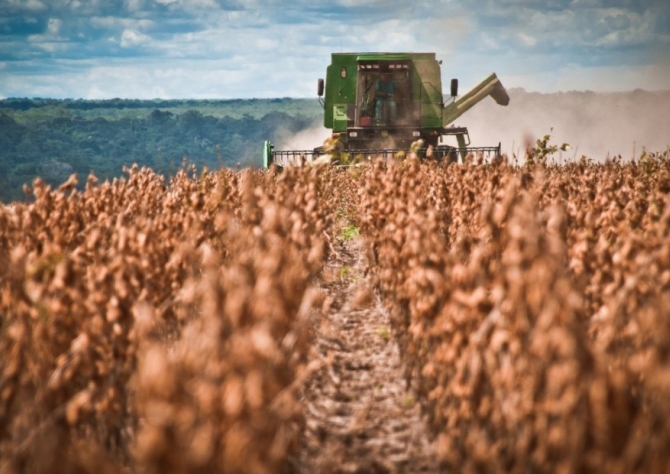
x=385 y=103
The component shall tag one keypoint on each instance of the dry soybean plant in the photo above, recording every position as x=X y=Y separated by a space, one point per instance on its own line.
x=163 y=326
x=157 y=326
x=530 y=306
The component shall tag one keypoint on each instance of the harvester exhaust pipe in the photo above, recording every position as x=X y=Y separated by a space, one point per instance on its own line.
x=454 y=87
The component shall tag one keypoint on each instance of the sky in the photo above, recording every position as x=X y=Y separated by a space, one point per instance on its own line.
x=210 y=49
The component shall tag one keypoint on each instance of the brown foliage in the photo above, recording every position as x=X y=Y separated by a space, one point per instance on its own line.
x=164 y=327
x=530 y=304
x=160 y=324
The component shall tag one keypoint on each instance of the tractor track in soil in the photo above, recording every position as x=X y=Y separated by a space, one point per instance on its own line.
x=360 y=415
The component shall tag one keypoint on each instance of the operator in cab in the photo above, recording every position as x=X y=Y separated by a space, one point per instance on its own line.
x=385 y=105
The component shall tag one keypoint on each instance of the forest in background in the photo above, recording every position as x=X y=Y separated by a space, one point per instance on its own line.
x=54 y=138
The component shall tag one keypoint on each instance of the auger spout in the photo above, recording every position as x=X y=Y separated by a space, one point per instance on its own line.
x=489 y=86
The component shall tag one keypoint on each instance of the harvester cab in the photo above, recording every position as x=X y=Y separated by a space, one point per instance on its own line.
x=384 y=104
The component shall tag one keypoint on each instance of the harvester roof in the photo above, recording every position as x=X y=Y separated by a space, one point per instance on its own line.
x=376 y=56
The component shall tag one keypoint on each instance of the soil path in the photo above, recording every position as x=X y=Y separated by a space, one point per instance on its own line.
x=360 y=415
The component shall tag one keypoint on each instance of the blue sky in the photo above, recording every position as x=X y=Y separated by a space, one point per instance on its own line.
x=147 y=49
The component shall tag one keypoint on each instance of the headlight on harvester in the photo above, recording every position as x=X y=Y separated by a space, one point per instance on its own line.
x=416 y=134
x=353 y=134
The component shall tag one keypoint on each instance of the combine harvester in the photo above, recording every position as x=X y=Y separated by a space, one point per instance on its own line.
x=386 y=104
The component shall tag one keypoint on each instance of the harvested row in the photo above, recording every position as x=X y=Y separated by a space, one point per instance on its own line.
x=530 y=304
x=158 y=327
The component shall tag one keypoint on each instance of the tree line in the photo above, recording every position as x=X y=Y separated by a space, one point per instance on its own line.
x=53 y=139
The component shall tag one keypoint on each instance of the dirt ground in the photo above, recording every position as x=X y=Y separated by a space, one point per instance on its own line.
x=361 y=416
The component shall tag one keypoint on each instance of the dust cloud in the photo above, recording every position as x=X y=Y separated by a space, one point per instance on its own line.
x=306 y=139
x=596 y=125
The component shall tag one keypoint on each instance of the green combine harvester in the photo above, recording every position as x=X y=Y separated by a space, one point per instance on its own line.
x=388 y=104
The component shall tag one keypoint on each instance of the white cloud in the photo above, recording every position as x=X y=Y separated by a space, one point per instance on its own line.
x=358 y=3
x=573 y=77
x=391 y=35
x=268 y=48
x=31 y=5
x=134 y=5
x=54 y=26
x=95 y=93
x=266 y=44
x=52 y=46
x=112 y=22
x=131 y=38
x=158 y=92
x=188 y=4
x=527 y=40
